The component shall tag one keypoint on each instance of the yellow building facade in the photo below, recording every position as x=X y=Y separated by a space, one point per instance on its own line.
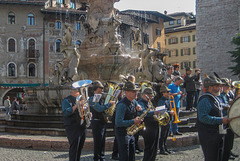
x=181 y=42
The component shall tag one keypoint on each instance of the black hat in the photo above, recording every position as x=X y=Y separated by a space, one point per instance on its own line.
x=149 y=90
x=211 y=81
x=130 y=86
x=188 y=68
x=226 y=81
x=164 y=88
x=97 y=84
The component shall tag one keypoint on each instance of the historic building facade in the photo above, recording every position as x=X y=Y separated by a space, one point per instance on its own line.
x=181 y=41
x=217 y=22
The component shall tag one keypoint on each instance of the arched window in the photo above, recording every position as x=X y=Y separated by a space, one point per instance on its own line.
x=30 y=19
x=11 y=45
x=31 y=48
x=11 y=18
x=78 y=43
x=58 y=45
x=11 y=70
x=31 y=70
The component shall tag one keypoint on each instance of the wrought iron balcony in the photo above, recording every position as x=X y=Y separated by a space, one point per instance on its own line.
x=32 y=55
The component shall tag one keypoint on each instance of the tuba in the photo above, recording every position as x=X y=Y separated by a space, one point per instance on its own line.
x=113 y=92
x=83 y=108
x=132 y=130
x=171 y=100
x=145 y=84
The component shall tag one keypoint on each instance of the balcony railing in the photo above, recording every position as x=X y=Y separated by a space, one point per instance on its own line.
x=32 y=54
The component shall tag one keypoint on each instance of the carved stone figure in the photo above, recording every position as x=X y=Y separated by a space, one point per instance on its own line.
x=137 y=39
x=67 y=41
x=159 y=69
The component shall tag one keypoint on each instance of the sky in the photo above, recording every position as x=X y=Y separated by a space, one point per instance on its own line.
x=170 y=6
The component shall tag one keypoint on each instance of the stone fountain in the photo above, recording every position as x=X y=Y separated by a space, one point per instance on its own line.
x=100 y=57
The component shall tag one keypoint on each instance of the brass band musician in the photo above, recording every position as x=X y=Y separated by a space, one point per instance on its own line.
x=126 y=115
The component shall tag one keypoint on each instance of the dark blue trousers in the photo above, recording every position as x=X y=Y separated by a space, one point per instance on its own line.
x=76 y=135
x=126 y=145
x=211 y=144
x=99 y=131
x=163 y=137
x=150 y=135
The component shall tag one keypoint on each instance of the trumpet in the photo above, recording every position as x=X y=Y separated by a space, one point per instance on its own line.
x=132 y=130
x=83 y=108
x=113 y=92
x=171 y=100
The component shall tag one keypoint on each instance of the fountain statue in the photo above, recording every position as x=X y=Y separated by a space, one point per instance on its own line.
x=103 y=57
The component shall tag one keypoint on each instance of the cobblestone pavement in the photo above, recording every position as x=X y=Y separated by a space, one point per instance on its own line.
x=191 y=153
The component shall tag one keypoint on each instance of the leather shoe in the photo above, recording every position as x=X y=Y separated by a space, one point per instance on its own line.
x=138 y=151
x=170 y=134
x=234 y=155
x=169 y=151
x=163 y=152
x=177 y=133
x=115 y=157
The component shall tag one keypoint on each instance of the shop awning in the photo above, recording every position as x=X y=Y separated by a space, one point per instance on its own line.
x=8 y=85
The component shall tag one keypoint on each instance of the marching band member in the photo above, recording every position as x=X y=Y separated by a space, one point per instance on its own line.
x=98 y=122
x=76 y=133
x=126 y=111
x=150 y=134
x=164 y=129
x=210 y=120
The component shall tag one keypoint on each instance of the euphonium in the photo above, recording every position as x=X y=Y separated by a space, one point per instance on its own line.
x=132 y=130
x=111 y=96
x=83 y=109
x=171 y=100
x=145 y=84
x=163 y=119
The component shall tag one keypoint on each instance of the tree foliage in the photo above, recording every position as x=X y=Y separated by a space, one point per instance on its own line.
x=235 y=54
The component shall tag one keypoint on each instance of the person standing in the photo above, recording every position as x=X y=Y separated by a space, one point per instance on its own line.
x=176 y=71
x=164 y=101
x=7 y=105
x=15 y=106
x=198 y=85
x=76 y=132
x=98 y=122
x=169 y=77
x=210 y=120
x=151 y=133
x=126 y=115
x=189 y=83
x=176 y=92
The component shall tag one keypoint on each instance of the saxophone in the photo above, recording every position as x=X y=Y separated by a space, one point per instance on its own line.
x=113 y=92
x=132 y=130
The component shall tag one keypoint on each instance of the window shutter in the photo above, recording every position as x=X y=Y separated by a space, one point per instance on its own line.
x=189 y=51
x=176 y=40
x=193 y=38
x=181 y=39
x=181 y=52
x=169 y=54
x=194 y=50
x=190 y=64
x=189 y=38
x=181 y=65
x=169 y=42
x=194 y=64
x=176 y=52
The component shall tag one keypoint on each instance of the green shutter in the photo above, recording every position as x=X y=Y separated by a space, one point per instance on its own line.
x=194 y=64
x=181 y=39
x=169 y=41
x=190 y=64
x=176 y=52
x=181 y=52
x=193 y=37
x=189 y=38
x=194 y=50
x=189 y=51
x=169 y=54
x=176 y=40
x=181 y=65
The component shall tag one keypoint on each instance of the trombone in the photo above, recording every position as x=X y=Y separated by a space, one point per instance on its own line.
x=171 y=100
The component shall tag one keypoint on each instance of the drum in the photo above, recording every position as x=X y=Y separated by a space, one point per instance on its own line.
x=234 y=114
